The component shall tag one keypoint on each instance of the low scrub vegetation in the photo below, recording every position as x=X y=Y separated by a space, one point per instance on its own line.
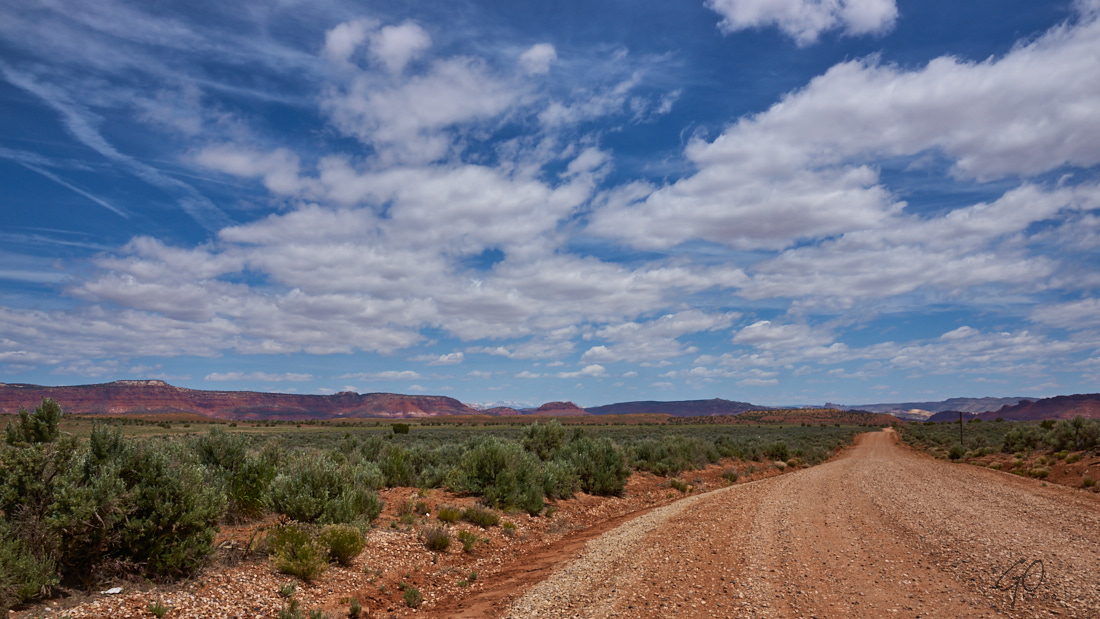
x=437 y=539
x=1057 y=437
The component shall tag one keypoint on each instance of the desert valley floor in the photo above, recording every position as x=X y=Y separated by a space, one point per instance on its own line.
x=879 y=531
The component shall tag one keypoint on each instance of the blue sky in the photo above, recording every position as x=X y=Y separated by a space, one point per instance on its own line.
x=775 y=201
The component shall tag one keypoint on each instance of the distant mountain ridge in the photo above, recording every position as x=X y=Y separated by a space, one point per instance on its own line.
x=966 y=405
x=682 y=408
x=1058 y=407
x=125 y=397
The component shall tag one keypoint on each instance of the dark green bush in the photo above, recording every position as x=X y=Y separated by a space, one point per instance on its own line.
x=598 y=464
x=543 y=440
x=173 y=514
x=314 y=488
x=109 y=502
x=1022 y=437
x=400 y=428
x=502 y=472
x=343 y=541
x=39 y=427
x=778 y=451
x=559 y=479
x=396 y=466
x=245 y=478
x=23 y=575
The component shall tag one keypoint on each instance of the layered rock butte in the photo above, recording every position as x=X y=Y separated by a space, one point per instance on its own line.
x=128 y=397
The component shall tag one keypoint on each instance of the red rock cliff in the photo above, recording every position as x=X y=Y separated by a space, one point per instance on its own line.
x=154 y=396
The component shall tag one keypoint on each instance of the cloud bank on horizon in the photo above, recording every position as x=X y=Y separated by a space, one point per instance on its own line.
x=779 y=201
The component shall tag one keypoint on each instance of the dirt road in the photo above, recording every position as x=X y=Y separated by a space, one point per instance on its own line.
x=882 y=531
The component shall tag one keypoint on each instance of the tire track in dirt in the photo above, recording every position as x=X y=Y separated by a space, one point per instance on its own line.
x=882 y=531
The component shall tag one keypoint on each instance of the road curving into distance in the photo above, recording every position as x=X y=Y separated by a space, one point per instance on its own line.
x=882 y=531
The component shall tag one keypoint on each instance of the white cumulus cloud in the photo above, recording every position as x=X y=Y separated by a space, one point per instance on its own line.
x=806 y=20
x=538 y=58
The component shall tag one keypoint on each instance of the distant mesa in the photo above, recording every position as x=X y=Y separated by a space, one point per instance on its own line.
x=559 y=409
x=501 y=411
x=128 y=397
x=684 y=408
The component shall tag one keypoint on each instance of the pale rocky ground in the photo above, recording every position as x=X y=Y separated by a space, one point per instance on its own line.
x=882 y=531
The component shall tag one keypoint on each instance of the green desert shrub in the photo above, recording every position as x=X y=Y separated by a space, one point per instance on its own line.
x=315 y=488
x=343 y=541
x=599 y=465
x=23 y=575
x=730 y=475
x=469 y=541
x=671 y=455
x=1022 y=437
x=502 y=472
x=296 y=550
x=412 y=597
x=436 y=538
x=778 y=450
x=448 y=514
x=173 y=514
x=544 y=440
x=38 y=427
x=559 y=479
x=481 y=517
x=396 y=466
x=109 y=501
x=246 y=478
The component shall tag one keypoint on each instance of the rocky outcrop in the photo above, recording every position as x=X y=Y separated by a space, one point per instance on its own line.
x=126 y=397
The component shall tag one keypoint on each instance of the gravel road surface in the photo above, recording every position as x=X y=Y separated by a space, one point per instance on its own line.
x=882 y=531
